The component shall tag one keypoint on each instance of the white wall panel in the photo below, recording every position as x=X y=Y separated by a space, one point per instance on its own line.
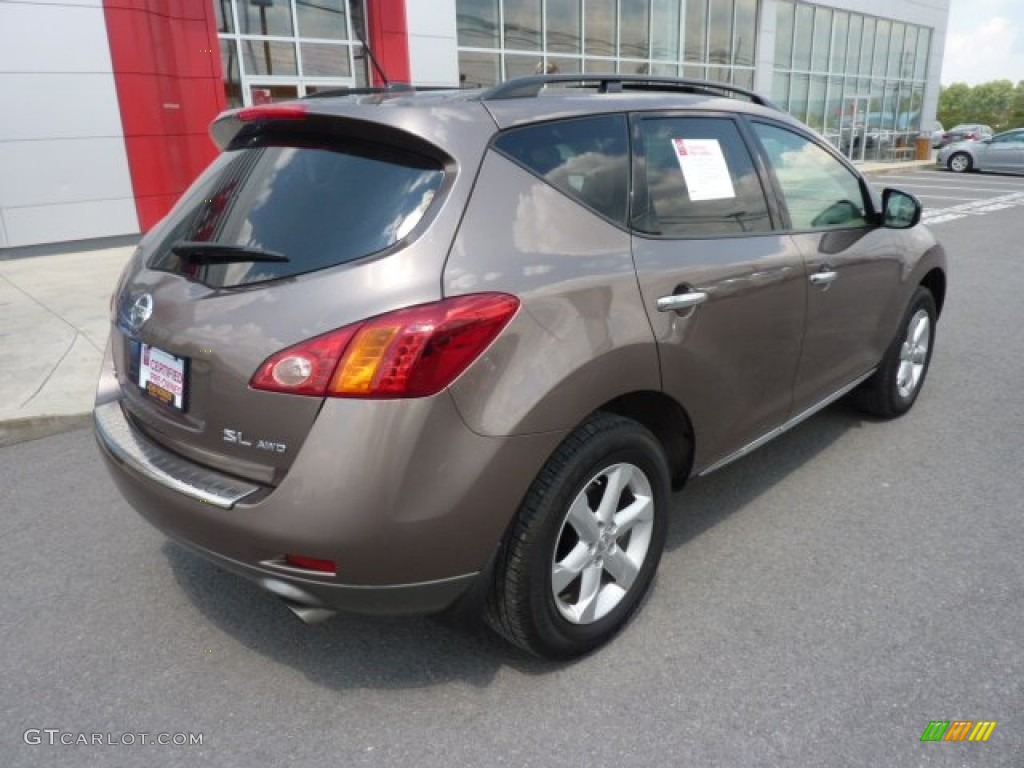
x=86 y=3
x=433 y=61
x=53 y=38
x=70 y=221
x=434 y=18
x=433 y=56
x=63 y=165
x=62 y=171
x=52 y=106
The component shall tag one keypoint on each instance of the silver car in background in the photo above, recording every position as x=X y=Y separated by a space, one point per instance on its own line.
x=966 y=132
x=1002 y=153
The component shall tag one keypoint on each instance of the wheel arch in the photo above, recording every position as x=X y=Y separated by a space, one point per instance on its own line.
x=935 y=281
x=667 y=420
x=971 y=163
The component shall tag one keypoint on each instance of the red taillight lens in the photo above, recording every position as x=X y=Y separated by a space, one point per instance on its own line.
x=311 y=563
x=306 y=368
x=414 y=352
x=272 y=112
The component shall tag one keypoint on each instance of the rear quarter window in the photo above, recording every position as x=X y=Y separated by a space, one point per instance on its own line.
x=319 y=206
x=586 y=158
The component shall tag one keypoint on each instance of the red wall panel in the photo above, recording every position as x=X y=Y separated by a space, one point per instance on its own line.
x=389 y=39
x=167 y=72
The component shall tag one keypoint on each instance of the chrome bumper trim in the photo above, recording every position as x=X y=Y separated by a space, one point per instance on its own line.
x=130 y=447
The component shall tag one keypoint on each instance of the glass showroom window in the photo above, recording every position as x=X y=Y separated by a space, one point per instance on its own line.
x=857 y=79
x=500 y=39
x=281 y=49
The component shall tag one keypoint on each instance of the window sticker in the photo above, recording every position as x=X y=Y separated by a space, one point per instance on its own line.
x=703 y=165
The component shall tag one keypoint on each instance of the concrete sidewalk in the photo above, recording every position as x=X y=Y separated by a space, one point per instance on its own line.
x=54 y=321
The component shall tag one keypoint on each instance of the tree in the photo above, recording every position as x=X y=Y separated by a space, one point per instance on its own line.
x=953 y=103
x=997 y=103
x=990 y=103
x=1016 y=115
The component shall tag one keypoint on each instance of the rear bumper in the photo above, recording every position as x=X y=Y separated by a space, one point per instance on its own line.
x=408 y=502
x=145 y=473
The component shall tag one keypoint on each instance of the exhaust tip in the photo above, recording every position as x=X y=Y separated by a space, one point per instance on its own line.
x=308 y=613
x=301 y=603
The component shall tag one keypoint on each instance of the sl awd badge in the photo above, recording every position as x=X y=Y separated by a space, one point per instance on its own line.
x=236 y=437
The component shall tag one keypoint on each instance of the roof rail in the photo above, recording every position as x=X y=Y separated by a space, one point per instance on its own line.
x=394 y=89
x=528 y=87
x=344 y=90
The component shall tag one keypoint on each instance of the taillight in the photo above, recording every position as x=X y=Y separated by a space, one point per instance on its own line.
x=414 y=352
x=306 y=368
x=311 y=563
x=272 y=112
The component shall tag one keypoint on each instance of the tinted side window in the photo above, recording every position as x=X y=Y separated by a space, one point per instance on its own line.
x=700 y=180
x=584 y=158
x=819 y=191
x=319 y=206
x=1009 y=138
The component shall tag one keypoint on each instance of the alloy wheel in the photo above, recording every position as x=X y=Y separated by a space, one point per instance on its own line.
x=603 y=543
x=914 y=354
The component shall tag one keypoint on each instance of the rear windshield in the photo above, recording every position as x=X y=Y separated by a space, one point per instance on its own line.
x=315 y=206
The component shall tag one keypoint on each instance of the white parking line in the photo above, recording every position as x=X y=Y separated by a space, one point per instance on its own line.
x=962 y=189
x=948 y=197
x=975 y=208
x=945 y=184
x=996 y=183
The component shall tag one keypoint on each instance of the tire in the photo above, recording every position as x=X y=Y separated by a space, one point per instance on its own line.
x=960 y=162
x=894 y=387
x=571 y=570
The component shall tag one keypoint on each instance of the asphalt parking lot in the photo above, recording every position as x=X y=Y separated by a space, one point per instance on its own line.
x=820 y=602
x=948 y=196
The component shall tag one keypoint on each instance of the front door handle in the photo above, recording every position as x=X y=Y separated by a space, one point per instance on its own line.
x=678 y=301
x=824 y=277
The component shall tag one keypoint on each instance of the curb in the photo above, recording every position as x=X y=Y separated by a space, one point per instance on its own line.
x=35 y=427
x=916 y=166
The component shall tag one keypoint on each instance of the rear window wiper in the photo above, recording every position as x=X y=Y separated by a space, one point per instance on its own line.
x=219 y=253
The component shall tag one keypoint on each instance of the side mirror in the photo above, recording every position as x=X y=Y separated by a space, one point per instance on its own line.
x=900 y=210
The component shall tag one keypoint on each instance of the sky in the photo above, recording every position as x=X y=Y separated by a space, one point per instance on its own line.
x=984 y=41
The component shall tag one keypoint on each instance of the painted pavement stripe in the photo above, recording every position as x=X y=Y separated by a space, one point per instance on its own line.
x=961 y=198
x=975 y=208
x=927 y=185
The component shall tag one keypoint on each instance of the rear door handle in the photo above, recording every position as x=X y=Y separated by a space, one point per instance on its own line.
x=824 y=277
x=678 y=301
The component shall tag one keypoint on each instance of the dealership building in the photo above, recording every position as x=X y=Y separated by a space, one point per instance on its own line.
x=106 y=103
